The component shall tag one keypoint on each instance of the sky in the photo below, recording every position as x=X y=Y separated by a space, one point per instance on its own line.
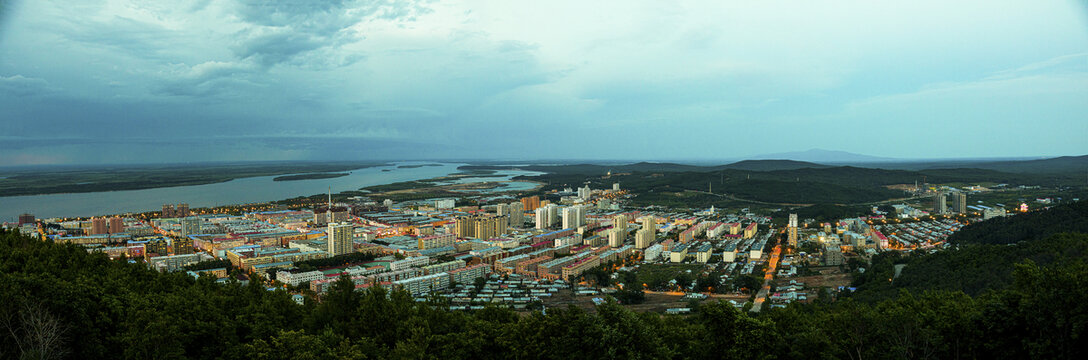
x=87 y=82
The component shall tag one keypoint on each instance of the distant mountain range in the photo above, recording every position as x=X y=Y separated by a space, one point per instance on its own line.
x=1059 y=165
x=823 y=156
x=815 y=157
x=772 y=165
x=1063 y=164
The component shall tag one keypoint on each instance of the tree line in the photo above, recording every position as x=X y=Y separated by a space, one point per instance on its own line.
x=66 y=303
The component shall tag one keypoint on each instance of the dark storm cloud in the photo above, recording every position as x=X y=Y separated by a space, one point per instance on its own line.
x=284 y=29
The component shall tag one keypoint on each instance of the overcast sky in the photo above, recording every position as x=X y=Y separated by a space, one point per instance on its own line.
x=168 y=81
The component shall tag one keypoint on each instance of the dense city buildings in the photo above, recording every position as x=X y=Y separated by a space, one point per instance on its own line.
x=431 y=246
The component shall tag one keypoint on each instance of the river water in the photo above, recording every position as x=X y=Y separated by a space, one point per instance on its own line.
x=237 y=191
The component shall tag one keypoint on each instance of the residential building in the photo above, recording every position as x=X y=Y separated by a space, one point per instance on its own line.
x=652 y=253
x=176 y=262
x=481 y=226
x=644 y=237
x=117 y=225
x=939 y=203
x=424 y=284
x=578 y=267
x=959 y=202
x=191 y=226
x=678 y=253
x=294 y=279
x=340 y=239
x=436 y=241
x=98 y=226
x=620 y=222
x=648 y=222
x=415 y=261
x=517 y=214
x=791 y=230
x=546 y=216
x=468 y=275
x=992 y=213
x=616 y=237
x=750 y=230
x=585 y=192
x=703 y=253
x=530 y=203
x=574 y=217
x=445 y=204
x=26 y=219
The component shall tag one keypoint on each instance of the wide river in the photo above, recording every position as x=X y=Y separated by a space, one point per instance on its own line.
x=237 y=191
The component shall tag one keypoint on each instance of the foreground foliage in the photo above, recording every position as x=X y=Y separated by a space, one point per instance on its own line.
x=63 y=301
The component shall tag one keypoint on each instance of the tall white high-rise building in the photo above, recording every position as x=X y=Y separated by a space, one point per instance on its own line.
x=644 y=237
x=546 y=216
x=959 y=202
x=620 y=222
x=615 y=186
x=574 y=217
x=648 y=222
x=553 y=214
x=340 y=239
x=502 y=209
x=616 y=237
x=585 y=192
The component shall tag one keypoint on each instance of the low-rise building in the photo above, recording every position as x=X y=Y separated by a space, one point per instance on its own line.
x=468 y=274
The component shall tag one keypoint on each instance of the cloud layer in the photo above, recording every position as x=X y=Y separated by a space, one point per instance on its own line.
x=130 y=81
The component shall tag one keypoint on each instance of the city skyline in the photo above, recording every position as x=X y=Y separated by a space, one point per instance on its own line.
x=190 y=81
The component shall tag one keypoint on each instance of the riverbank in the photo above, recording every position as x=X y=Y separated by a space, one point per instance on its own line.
x=309 y=176
x=74 y=180
x=261 y=192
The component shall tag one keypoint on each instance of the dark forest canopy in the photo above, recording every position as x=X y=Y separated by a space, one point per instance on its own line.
x=115 y=309
x=771 y=181
x=1071 y=217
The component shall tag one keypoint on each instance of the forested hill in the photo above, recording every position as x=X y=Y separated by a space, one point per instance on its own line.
x=984 y=254
x=89 y=307
x=1071 y=217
